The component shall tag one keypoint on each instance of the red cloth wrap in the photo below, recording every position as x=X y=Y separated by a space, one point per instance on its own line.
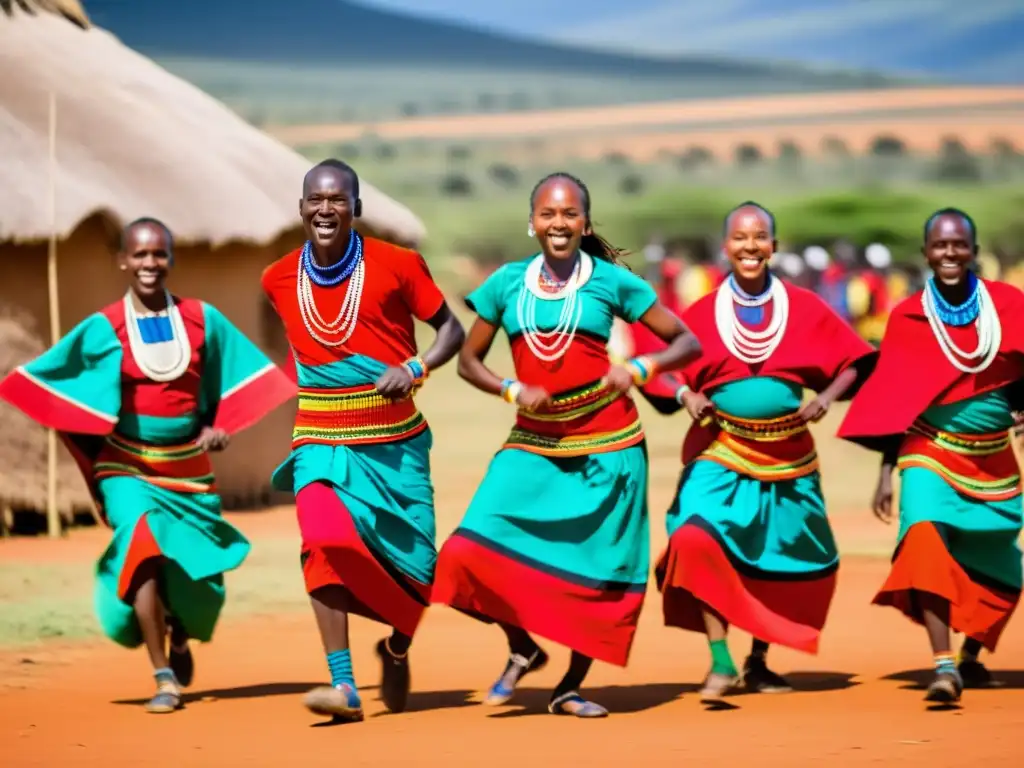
x=913 y=374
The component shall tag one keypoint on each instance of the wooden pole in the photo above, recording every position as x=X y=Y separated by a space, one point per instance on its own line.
x=53 y=521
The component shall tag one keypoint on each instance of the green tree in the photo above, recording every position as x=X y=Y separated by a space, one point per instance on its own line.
x=956 y=163
x=748 y=155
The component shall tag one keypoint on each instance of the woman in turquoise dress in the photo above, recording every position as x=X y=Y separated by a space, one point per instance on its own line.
x=750 y=543
x=555 y=540
x=954 y=353
x=141 y=392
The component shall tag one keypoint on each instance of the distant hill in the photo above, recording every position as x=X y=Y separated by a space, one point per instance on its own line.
x=976 y=41
x=960 y=40
x=304 y=32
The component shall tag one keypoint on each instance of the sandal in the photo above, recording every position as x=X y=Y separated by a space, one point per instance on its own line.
x=572 y=703
x=341 y=703
x=502 y=691
x=717 y=686
x=167 y=698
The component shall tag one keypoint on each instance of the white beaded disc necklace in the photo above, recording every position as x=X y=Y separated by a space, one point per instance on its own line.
x=751 y=347
x=552 y=345
x=162 y=360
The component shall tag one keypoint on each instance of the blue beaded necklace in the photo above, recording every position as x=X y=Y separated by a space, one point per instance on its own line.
x=335 y=274
x=750 y=315
x=957 y=316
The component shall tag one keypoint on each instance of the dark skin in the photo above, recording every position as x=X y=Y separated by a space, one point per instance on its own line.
x=559 y=220
x=329 y=206
x=749 y=245
x=147 y=257
x=949 y=249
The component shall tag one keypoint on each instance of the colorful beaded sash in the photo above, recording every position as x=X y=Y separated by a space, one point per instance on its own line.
x=582 y=421
x=184 y=468
x=354 y=415
x=981 y=466
x=764 y=449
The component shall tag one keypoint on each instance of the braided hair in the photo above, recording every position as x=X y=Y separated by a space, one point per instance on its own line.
x=592 y=244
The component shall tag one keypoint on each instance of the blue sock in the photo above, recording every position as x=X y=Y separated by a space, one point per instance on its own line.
x=340 y=664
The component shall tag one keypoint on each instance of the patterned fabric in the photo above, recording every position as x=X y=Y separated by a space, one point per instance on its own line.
x=763 y=449
x=185 y=468
x=981 y=466
x=345 y=416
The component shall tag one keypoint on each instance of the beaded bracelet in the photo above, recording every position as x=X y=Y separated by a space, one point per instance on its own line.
x=417 y=369
x=510 y=389
x=642 y=369
x=683 y=389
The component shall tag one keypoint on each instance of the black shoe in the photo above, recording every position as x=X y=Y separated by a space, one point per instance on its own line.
x=182 y=665
x=974 y=674
x=181 y=661
x=395 y=679
x=757 y=678
x=945 y=688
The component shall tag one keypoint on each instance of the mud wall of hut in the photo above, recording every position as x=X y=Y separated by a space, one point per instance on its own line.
x=228 y=277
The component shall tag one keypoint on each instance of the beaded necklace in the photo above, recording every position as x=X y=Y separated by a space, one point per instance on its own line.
x=959 y=315
x=353 y=265
x=986 y=321
x=162 y=360
x=552 y=345
x=751 y=347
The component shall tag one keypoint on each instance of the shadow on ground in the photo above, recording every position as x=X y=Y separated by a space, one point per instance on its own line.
x=918 y=679
x=260 y=691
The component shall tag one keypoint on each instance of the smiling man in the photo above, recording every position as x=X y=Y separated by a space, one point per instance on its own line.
x=360 y=460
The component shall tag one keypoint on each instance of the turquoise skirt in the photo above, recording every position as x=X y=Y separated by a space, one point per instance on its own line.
x=557 y=546
x=199 y=546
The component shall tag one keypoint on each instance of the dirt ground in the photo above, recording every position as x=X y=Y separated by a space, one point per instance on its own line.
x=858 y=702
x=79 y=703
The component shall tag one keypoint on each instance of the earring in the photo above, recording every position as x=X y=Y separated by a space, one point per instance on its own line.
x=123 y=267
x=530 y=232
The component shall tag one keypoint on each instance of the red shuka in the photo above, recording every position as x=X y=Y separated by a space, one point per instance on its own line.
x=913 y=373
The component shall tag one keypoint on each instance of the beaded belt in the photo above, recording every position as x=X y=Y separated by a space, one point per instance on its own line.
x=354 y=415
x=770 y=450
x=185 y=468
x=762 y=430
x=982 y=444
x=574 y=404
x=588 y=419
x=980 y=466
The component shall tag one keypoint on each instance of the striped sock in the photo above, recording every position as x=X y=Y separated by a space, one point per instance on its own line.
x=721 y=659
x=945 y=662
x=340 y=664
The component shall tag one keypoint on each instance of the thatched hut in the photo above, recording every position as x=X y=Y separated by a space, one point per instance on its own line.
x=133 y=140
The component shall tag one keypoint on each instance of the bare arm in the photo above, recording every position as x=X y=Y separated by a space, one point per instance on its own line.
x=840 y=385
x=471 y=358
x=683 y=346
x=398 y=380
x=449 y=338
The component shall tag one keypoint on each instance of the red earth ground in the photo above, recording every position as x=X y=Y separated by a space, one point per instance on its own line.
x=80 y=704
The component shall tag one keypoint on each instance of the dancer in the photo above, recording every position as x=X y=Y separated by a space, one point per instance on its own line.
x=958 y=370
x=749 y=541
x=360 y=460
x=140 y=392
x=555 y=540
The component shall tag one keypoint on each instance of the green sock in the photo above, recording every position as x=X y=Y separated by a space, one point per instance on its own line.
x=721 y=660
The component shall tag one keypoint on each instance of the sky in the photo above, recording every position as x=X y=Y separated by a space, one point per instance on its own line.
x=972 y=38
